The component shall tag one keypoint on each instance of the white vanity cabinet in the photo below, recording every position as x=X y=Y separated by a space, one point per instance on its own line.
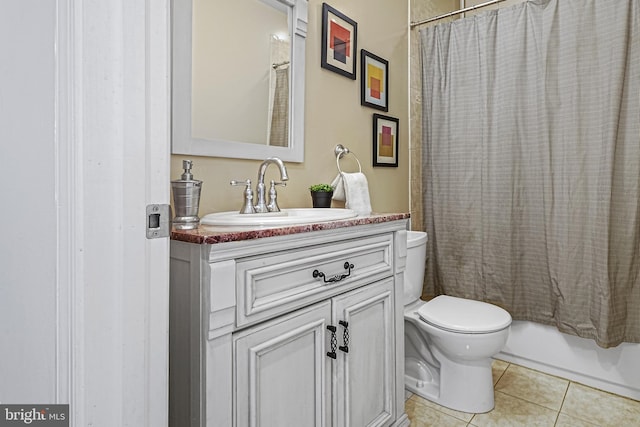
x=303 y=329
x=286 y=373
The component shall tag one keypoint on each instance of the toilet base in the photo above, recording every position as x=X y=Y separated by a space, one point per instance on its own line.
x=424 y=389
x=469 y=390
x=421 y=379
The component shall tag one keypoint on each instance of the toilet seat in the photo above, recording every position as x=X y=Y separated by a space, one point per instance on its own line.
x=463 y=315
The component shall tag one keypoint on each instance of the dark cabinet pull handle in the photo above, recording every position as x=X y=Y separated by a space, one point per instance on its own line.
x=334 y=341
x=345 y=336
x=338 y=277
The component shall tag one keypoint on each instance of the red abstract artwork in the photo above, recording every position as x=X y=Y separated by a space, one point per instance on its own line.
x=340 y=42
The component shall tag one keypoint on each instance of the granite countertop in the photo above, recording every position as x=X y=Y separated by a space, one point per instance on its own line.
x=206 y=234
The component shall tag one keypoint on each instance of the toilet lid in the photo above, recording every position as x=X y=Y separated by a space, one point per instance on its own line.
x=464 y=315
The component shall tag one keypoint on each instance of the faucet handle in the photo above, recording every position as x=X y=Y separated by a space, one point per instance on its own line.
x=247 y=205
x=272 y=206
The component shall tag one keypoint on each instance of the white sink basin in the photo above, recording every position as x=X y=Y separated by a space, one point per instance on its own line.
x=284 y=217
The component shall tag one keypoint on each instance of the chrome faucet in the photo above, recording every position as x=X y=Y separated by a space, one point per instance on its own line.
x=261 y=205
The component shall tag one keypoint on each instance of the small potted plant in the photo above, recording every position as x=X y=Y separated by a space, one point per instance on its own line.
x=321 y=195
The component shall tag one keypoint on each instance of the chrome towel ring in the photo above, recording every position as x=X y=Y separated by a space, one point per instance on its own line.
x=340 y=151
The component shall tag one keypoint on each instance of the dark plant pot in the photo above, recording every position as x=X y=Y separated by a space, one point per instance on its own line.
x=321 y=199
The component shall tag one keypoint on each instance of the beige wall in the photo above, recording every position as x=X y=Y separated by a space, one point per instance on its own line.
x=333 y=115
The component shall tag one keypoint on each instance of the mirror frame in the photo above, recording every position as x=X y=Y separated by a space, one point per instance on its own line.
x=184 y=143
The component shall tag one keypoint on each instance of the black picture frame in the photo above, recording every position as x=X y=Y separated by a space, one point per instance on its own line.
x=374 y=81
x=339 y=42
x=385 y=140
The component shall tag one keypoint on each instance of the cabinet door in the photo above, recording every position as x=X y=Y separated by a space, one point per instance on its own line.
x=282 y=373
x=364 y=390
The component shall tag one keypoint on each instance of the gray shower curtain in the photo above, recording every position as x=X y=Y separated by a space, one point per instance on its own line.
x=531 y=163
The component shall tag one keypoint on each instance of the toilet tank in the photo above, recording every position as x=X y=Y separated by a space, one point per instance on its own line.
x=416 y=261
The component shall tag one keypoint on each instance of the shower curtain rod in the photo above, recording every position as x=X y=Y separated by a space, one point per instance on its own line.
x=279 y=64
x=455 y=12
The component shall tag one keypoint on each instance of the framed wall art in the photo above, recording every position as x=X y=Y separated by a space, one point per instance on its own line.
x=374 y=84
x=385 y=141
x=339 y=40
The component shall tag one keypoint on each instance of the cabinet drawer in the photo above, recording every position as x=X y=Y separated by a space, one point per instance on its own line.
x=275 y=283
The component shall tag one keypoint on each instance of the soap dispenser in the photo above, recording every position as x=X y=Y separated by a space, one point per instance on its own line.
x=186 y=199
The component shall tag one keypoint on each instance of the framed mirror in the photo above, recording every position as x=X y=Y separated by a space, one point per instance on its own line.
x=238 y=71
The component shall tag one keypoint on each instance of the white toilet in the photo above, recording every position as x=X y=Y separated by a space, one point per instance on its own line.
x=449 y=341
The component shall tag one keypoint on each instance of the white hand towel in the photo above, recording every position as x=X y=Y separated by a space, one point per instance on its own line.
x=338 y=188
x=354 y=189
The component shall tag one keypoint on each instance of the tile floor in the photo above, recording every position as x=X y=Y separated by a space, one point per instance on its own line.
x=524 y=397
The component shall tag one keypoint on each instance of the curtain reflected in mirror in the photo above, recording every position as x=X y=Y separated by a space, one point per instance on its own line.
x=279 y=92
x=279 y=132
